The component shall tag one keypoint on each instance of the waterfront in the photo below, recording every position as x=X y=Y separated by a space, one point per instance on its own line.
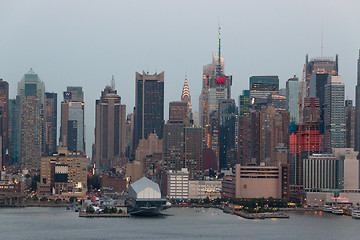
x=179 y=223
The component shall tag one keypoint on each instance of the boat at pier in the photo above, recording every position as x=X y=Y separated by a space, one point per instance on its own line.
x=356 y=213
x=337 y=210
x=145 y=198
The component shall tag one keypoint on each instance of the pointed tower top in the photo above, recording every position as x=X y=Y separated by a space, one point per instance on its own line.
x=185 y=96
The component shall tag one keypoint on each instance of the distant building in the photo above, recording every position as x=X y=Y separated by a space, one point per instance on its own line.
x=178 y=110
x=257 y=182
x=350 y=128
x=109 y=128
x=263 y=86
x=227 y=133
x=334 y=114
x=50 y=117
x=4 y=124
x=31 y=97
x=31 y=134
x=320 y=65
x=15 y=133
x=244 y=103
x=293 y=87
x=178 y=184
x=76 y=168
x=357 y=107
x=149 y=106
x=320 y=172
x=202 y=189
x=72 y=134
x=182 y=148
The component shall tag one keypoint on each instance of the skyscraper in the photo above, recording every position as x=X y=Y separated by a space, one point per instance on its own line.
x=182 y=148
x=4 y=123
x=263 y=86
x=357 y=108
x=31 y=95
x=349 y=124
x=50 y=116
x=216 y=87
x=227 y=133
x=319 y=65
x=31 y=135
x=109 y=127
x=72 y=134
x=14 y=117
x=186 y=97
x=293 y=86
x=149 y=106
x=334 y=114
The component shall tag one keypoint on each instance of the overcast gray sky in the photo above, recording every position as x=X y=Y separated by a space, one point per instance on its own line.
x=84 y=43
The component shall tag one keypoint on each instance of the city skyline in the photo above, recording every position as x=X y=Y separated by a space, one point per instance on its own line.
x=66 y=55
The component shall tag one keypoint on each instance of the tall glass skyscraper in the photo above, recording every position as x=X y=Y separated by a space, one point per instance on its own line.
x=72 y=134
x=149 y=106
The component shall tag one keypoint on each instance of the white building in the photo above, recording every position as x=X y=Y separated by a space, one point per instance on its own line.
x=348 y=171
x=202 y=189
x=178 y=184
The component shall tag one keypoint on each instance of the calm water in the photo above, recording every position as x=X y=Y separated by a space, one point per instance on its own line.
x=58 y=223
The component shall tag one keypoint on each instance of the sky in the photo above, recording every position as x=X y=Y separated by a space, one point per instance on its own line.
x=83 y=43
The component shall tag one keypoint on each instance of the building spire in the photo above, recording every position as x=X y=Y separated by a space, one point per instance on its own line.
x=113 y=83
x=219 y=50
x=185 y=96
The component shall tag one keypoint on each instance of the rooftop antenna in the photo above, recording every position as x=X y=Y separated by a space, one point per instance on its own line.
x=322 y=39
x=219 y=49
x=113 y=83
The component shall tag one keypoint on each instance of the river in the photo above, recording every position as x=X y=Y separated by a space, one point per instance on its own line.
x=179 y=223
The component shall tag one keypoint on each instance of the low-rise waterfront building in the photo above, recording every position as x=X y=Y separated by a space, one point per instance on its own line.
x=178 y=184
x=202 y=189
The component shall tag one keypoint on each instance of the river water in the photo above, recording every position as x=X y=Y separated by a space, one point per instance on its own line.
x=179 y=223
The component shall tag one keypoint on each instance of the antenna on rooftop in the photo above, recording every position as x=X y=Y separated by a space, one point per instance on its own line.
x=113 y=83
x=322 y=39
x=219 y=49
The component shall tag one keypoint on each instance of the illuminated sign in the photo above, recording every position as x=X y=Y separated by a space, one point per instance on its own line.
x=220 y=80
x=67 y=95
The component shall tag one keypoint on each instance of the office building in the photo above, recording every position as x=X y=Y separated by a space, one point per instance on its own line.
x=109 y=128
x=31 y=97
x=30 y=132
x=178 y=110
x=357 y=107
x=186 y=97
x=75 y=163
x=203 y=189
x=14 y=124
x=322 y=65
x=319 y=172
x=293 y=87
x=334 y=114
x=350 y=113
x=149 y=106
x=228 y=117
x=244 y=103
x=72 y=134
x=182 y=148
x=178 y=184
x=263 y=86
x=50 y=121
x=4 y=124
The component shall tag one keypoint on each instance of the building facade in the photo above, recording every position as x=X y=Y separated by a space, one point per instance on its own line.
x=149 y=106
x=109 y=128
x=72 y=129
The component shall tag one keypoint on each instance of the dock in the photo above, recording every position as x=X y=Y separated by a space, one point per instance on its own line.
x=103 y=215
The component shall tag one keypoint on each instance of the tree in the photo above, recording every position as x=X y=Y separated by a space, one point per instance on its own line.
x=90 y=209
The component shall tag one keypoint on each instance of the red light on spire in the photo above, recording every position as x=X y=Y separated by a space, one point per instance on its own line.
x=220 y=80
